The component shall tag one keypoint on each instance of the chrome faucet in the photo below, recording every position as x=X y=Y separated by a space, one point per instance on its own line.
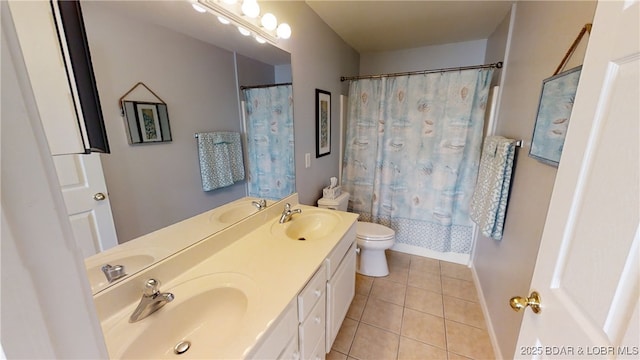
x=113 y=273
x=152 y=300
x=261 y=205
x=287 y=213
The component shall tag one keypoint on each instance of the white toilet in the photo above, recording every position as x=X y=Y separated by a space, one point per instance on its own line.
x=372 y=240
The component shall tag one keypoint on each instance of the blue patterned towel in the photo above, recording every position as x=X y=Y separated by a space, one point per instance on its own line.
x=220 y=155
x=489 y=201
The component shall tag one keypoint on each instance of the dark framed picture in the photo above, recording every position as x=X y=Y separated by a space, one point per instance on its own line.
x=147 y=122
x=323 y=123
x=552 y=120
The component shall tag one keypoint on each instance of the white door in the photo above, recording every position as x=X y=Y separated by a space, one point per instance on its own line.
x=86 y=198
x=588 y=271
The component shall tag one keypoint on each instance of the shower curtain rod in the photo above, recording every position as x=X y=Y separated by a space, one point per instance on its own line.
x=242 y=87
x=497 y=65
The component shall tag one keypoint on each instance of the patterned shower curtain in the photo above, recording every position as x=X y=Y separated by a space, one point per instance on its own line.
x=412 y=153
x=269 y=122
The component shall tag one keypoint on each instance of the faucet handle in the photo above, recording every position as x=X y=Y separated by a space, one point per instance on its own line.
x=113 y=273
x=151 y=287
x=287 y=207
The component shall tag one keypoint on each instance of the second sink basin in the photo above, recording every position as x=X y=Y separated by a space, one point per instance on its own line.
x=310 y=225
x=207 y=312
x=230 y=214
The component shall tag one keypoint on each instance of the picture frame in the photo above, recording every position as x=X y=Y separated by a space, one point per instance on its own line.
x=323 y=123
x=552 y=119
x=147 y=122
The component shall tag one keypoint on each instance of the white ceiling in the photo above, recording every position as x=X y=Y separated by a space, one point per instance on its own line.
x=372 y=26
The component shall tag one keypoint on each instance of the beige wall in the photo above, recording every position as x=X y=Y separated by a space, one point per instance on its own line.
x=542 y=33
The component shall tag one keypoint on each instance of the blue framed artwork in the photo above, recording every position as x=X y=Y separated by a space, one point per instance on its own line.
x=554 y=111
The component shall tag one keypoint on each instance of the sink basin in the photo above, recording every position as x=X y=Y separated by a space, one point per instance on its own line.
x=309 y=225
x=230 y=214
x=131 y=263
x=208 y=312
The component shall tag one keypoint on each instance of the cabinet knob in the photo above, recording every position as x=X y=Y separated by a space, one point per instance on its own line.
x=317 y=320
x=317 y=293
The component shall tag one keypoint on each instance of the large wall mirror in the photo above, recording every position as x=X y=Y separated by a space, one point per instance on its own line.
x=197 y=65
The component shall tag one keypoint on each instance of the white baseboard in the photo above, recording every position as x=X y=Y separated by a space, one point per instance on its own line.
x=485 y=312
x=420 y=251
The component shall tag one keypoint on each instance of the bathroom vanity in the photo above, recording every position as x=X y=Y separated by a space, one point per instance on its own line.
x=257 y=289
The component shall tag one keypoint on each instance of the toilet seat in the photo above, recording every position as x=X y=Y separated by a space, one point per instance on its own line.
x=373 y=232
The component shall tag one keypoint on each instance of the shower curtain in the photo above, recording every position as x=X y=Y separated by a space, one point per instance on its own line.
x=269 y=126
x=412 y=153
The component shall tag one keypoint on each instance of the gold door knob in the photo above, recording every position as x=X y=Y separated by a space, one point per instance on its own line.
x=533 y=301
x=99 y=196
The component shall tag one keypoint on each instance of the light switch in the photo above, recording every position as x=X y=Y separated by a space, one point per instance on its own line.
x=307 y=160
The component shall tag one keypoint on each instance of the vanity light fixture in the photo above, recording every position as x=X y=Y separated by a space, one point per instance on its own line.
x=250 y=8
x=245 y=15
x=244 y=31
x=197 y=7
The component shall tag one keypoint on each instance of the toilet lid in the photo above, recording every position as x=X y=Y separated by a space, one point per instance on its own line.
x=371 y=231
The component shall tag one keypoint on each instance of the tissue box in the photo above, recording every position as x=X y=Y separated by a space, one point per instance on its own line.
x=328 y=193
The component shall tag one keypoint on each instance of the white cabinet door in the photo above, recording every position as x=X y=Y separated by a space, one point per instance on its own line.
x=87 y=201
x=341 y=289
x=37 y=34
x=587 y=271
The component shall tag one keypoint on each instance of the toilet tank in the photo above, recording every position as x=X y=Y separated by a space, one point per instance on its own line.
x=339 y=203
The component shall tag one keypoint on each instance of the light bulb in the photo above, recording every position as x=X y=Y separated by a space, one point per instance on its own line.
x=260 y=40
x=284 y=31
x=224 y=20
x=250 y=8
x=269 y=21
x=244 y=31
x=197 y=7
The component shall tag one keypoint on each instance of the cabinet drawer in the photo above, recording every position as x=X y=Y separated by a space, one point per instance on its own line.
x=312 y=329
x=311 y=293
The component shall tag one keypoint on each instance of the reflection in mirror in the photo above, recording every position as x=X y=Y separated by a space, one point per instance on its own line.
x=267 y=105
x=189 y=59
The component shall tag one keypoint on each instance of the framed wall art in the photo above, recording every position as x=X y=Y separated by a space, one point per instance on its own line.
x=147 y=122
x=323 y=123
x=552 y=120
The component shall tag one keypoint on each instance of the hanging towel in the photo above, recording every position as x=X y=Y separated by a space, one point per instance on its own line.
x=489 y=200
x=220 y=155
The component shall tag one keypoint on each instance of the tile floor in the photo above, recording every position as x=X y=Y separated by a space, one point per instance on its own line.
x=424 y=309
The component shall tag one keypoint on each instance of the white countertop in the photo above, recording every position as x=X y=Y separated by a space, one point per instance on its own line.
x=278 y=267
